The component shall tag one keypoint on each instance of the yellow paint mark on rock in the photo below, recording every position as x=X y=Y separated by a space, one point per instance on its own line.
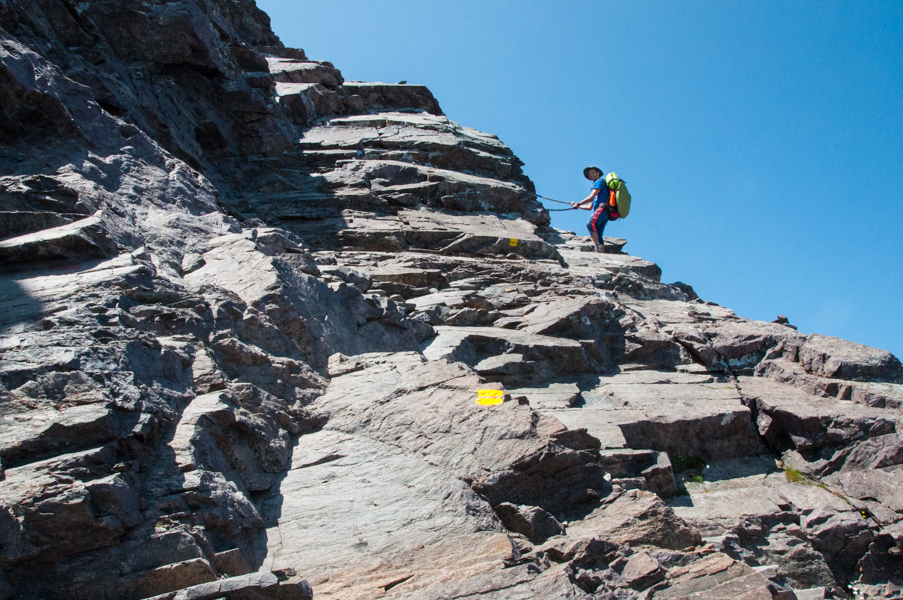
x=513 y=243
x=490 y=397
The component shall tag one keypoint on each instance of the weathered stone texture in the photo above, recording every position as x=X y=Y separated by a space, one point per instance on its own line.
x=246 y=312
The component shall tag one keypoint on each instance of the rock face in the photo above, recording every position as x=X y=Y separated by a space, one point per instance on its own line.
x=247 y=308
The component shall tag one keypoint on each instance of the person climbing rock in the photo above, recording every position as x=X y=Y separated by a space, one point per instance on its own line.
x=598 y=201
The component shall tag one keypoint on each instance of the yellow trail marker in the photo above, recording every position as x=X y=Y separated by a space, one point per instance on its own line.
x=513 y=243
x=490 y=397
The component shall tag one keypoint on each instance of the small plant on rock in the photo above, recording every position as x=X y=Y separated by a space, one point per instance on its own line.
x=793 y=476
x=682 y=463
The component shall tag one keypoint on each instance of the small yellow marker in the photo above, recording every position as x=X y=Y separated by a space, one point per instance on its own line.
x=513 y=243
x=490 y=397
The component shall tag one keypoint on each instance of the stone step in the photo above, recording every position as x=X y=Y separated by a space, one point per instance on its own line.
x=394 y=96
x=84 y=239
x=17 y=223
x=263 y=586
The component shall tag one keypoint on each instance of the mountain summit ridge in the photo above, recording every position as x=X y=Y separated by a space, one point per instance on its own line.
x=249 y=308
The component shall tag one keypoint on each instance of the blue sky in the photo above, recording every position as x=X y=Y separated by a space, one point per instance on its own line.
x=762 y=141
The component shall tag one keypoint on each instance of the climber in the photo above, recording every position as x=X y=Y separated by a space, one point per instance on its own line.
x=598 y=199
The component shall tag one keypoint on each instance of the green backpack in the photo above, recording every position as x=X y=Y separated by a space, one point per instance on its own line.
x=622 y=196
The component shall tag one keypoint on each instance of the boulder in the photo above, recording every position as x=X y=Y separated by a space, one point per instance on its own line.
x=637 y=518
x=840 y=359
x=531 y=521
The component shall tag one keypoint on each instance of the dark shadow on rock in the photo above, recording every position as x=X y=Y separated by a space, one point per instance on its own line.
x=16 y=305
x=20 y=302
x=749 y=466
x=682 y=501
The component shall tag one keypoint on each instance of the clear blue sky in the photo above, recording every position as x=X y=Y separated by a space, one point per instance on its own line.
x=762 y=141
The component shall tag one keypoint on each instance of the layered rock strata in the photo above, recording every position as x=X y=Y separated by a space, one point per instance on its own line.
x=246 y=311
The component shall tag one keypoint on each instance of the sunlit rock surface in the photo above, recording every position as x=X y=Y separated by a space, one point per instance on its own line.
x=246 y=308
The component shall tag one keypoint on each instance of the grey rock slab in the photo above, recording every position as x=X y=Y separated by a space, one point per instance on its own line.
x=642 y=571
x=894 y=530
x=715 y=336
x=394 y=96
x=531 y=521
x=452 y=298
x=572 y=241
x=881 y=395
x=485 y=224
x=518 y=584
x=841 y=359
x=665 y=378
x=26 y=296
x=731 y=490
x=154 y=563
x=805 y=496
x=675 y=312
x=321 y=320
x=582 y=318
x=737 y=345
x=707 y=420
x=339 y=364
x=508 y=452
x=784 y=549
x=354 y=498
x=415 y=277
x=430 y=409
x=383 y=493
x=417 y=131
x=46 y=515
x=549 y=396
x=296 y=71
x=233 y=562
x=182 y=574
x=842 y=537
x=626 y=462
x=874 y=394
x=213 y=432
x=505 y=367
x=504 y=296
x=358 y=279
x=464 y=567
x=789 y=418
x=16 y=223
x=544 y=357
x=882 y=484
x=582 y=263
x=759 y=510
x=386 y=181
x=426 y=121
x=27 y=436
x=715 y=577
x=636 y=518
x=306 y=102
x=660 y=476
x=792 y=373
x=253 y=586
x=603 y=425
